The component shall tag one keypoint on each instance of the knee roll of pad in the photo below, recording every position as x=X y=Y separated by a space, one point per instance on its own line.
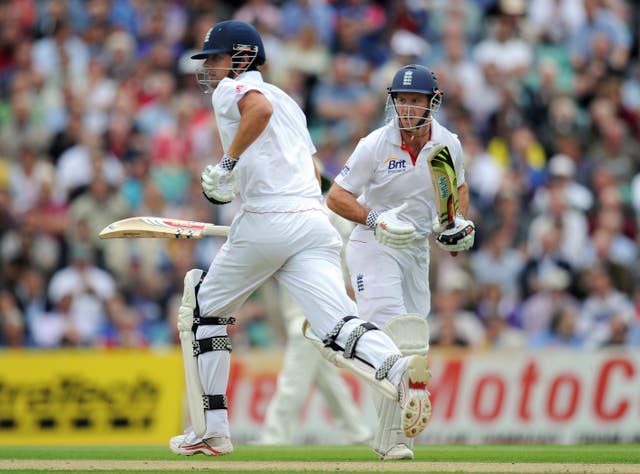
x=410 y=332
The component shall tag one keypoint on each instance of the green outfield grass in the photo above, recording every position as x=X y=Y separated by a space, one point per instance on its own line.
x=590 y=453
x=325 y=459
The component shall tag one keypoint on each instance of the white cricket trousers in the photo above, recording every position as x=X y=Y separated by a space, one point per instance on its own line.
x=302 y=250
x=388 y=282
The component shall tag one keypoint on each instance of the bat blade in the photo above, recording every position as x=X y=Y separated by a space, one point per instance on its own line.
x=445 y=186
x=161 y=228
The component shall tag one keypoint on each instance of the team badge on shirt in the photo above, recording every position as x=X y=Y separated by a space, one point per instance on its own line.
x=395 y=165
x=345 y=170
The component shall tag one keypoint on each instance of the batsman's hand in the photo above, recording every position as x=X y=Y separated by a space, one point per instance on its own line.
x=219 y=183
x=458 y=238
x=391 y=231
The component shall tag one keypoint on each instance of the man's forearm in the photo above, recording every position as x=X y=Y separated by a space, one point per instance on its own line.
x=343 y=203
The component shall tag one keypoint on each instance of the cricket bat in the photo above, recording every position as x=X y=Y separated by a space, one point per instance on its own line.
x=161 y=228
x=445 y=188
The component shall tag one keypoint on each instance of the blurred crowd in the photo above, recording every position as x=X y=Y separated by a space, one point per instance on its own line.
x=101 y=119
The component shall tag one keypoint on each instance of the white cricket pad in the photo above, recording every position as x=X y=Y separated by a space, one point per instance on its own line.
x=410 y=332
x=195 y=391
x=357 y=367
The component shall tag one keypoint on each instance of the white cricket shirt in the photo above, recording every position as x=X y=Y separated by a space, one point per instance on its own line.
x=384 y=175
x=276 y=172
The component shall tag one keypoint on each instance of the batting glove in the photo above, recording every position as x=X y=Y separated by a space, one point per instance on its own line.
x=219 y=183
x=459 y=237
x=389 y=230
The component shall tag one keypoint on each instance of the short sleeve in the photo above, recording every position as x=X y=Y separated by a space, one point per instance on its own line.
x=227 y=95
x=358 y=169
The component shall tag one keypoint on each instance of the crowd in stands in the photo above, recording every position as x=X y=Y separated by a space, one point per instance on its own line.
x=101 y=119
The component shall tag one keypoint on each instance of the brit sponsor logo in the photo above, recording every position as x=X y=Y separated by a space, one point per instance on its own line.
x=360 y=282
x=395 y=165
x=345 y=170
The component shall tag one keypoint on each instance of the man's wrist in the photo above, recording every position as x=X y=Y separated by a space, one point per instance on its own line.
x=372 y=217
x=227 y=162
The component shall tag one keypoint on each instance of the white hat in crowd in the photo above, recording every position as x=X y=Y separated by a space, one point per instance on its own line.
x=562 y=166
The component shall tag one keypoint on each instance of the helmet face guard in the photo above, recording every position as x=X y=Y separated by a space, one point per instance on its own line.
x=236 y=38
x=411 y=116
x=241 y=60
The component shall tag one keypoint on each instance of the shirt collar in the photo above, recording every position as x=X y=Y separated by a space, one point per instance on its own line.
x=251 y=76
x=396 y=139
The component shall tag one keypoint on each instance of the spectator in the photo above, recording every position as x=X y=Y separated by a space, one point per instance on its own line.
x=450 y=325
x=319 y=14
x=496 y=261
x=56 y=328
x=561 y=333
x=91 y=291
x=605 y=309
x=537 y=312
x=569 y=226
x=562 y=170
x=11 y=321
x=79 y=165
x=555 y=20
x=505 y=48
x=342 y=104
x=601 y=25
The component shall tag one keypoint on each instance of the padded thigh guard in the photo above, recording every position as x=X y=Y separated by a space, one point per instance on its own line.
x=188 y=321
x=410 y=332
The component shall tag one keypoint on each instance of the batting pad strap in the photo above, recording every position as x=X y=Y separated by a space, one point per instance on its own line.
x=384 y=369
x=354 y=337
x=213 y=321
x=216 y=343
x=330 y=338
x=214 y=402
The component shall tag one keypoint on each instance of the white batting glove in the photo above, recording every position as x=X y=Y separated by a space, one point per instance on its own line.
x=219 y=182
x=458 y=238
x=389 y=230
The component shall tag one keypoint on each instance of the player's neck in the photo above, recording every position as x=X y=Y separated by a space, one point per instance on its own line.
x=416 y=141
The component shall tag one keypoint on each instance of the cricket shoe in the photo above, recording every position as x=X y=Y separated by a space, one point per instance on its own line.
x=215 y=446
x=414 y=397
x=399 y=451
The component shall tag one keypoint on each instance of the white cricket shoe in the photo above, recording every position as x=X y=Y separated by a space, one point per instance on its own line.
x=216 y=446
x=414 y=396
x=399 y=451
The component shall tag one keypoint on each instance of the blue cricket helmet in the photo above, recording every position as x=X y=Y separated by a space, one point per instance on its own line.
x=414 y=78
x=232 y=36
